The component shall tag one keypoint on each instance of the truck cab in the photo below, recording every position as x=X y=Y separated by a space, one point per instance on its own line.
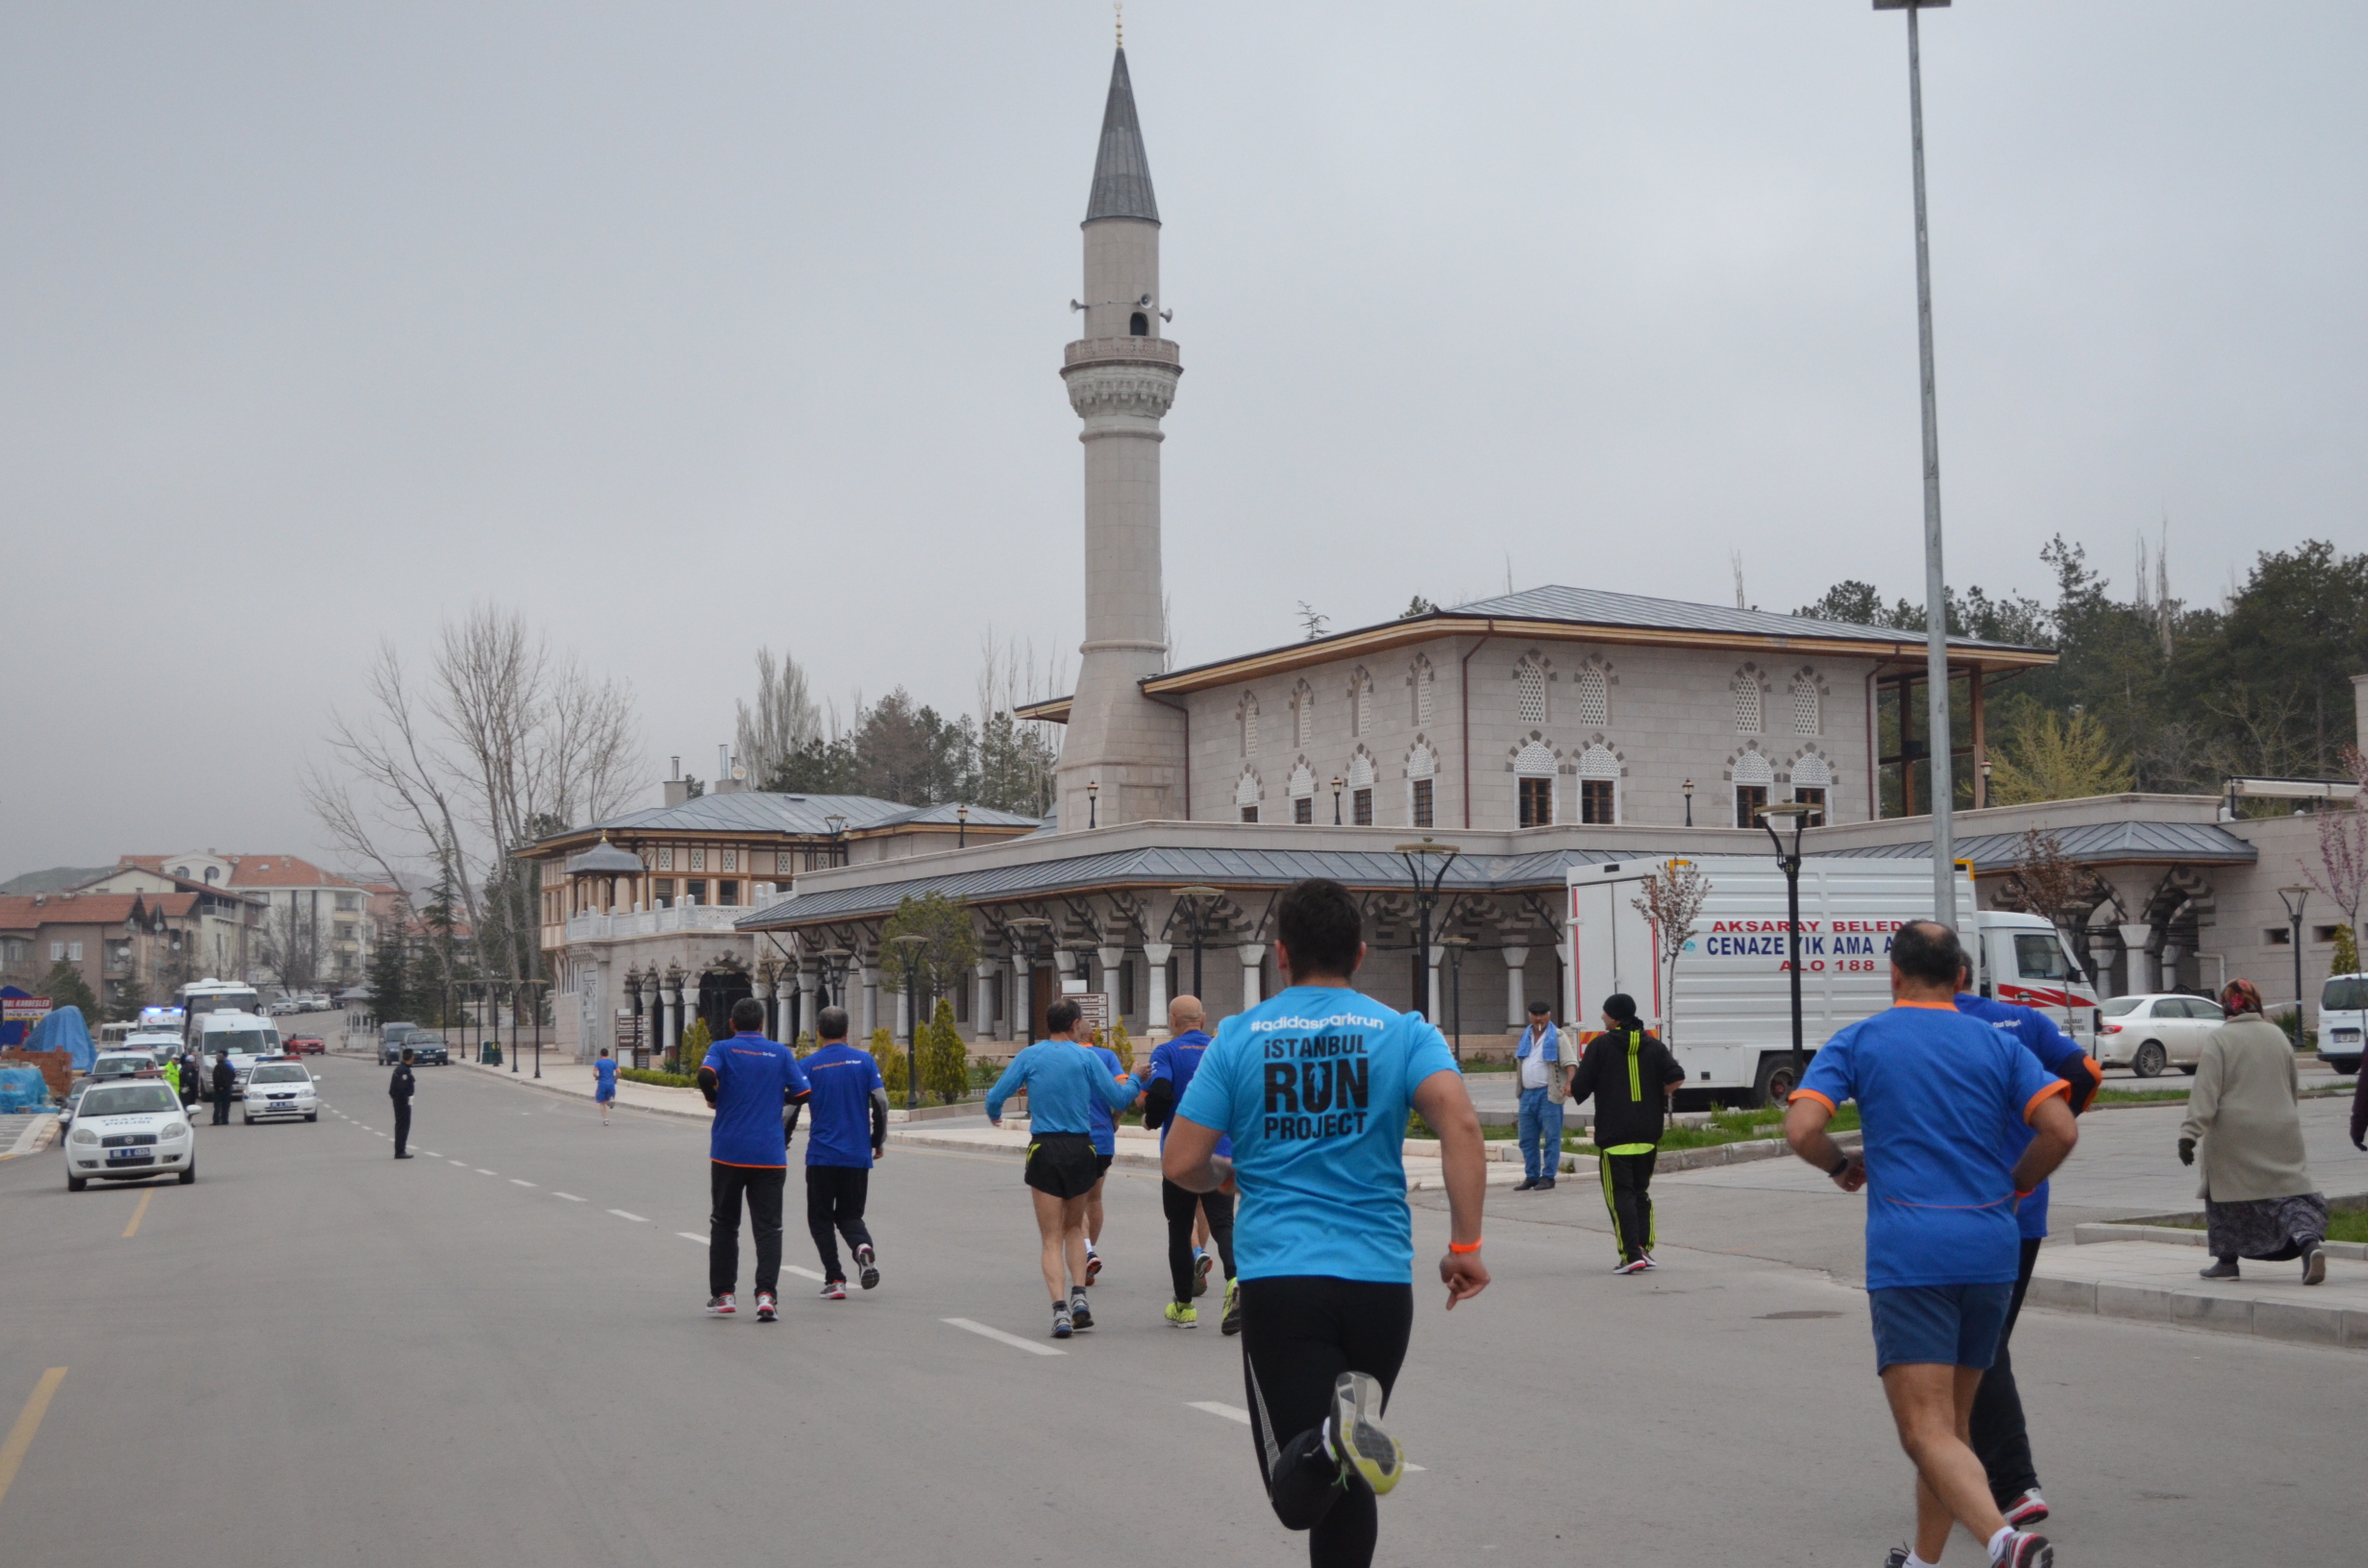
x=2343 y=1014
x=2023 y=961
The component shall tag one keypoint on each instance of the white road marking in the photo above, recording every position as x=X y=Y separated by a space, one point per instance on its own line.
x=1235 y=1412
x=635 y=1219
x=482 y=1171
x=692 y=1236
x=462 y=1163
x=516 y=1182
x=432 y=1153
x=569 y=1196
x=807 y=1274
x=1000 y=1337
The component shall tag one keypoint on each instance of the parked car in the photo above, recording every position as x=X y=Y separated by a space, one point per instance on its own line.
x=114 y=1065
x=280 y=1088
x=426 y=1047
x=304 y=1045
x=73 y=1098
x=2155 y=1030
x=390 y=1042
x=129 y=1132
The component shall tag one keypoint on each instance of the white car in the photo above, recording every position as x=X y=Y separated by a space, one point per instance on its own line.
x=280 y=1088
x=2156 y=1030
x=129 y=1132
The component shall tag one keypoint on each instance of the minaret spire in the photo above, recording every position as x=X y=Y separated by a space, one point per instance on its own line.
x=1122 y=171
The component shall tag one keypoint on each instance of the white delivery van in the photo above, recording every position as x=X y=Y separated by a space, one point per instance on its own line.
x=1728 y=1012
x=2343 y=1015
x=245 y=1038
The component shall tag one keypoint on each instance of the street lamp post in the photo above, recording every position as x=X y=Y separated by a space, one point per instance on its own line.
x=912 y=946
x=1798 y=813
x=2294 y=899
x=1192 y=897
x=1935 y=582
x=834 y=975
x=1416 y=855
x=961 y=827
x=1338 y=784
x=1092 y=802
x=1455 y=946
x=513 y=1027
x=1025 y=927
x=838 y=838
x=1688 y=789
x=535 y=990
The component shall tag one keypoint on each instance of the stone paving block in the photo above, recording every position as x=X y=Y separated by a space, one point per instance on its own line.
x=2293 y=1320
x=2195 y=1310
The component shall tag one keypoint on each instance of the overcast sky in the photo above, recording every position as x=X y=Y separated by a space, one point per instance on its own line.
x=688 y=328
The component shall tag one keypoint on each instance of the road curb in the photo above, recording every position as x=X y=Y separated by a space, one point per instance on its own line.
x=37 y=1135
x=2179 y=1236
x=2220 y=1314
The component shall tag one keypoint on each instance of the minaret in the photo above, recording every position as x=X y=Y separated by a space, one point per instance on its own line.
x=1121 y=376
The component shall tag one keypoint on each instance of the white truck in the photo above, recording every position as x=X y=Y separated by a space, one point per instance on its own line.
x=2343 y=1016
x=1725 y=1004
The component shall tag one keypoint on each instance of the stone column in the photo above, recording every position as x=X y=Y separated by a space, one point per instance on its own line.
x=982 y=1003
x=1065 y=964
x=904 y=1015
x=870 y=1022
x=1006 y=1027
x=1251 y=954
x=785 y=1004
x=673 y=1033
x=1438 y=1013
x=1516 y=1005
x=1112 y=960
x=1155 y=955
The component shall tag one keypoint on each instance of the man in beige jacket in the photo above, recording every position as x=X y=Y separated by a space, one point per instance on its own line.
x=2245 y=1109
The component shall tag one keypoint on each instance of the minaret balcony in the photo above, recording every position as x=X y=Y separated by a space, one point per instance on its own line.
x=1121 y=351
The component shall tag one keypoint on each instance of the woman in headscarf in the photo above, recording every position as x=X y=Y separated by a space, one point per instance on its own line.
x=2245 y=1111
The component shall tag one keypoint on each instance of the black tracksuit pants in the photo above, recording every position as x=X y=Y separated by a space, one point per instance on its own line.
x=2000 y=1439
x=402 y=1124
x=1627 y=1191
x=1178 y=1205
x=762 y=1185
x=1299 y=1334
x=222 y=1108
x=834 y=1198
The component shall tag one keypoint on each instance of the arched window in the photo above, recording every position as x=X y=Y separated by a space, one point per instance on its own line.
x=1247 y=714
x=1805 y=706
x=1421 y=769
x=1600 y=786
x=1533 y=772
x=1594 y=700
x=1753 y=779
x=1529 y=689
x=1361 y=704
x=1303 y=715
x=1746 y=703
x=1302 y=794
x=1139 y=325
x=1420 y=681
x=1246 y=796
x=1361 y=788
x=1813 y=778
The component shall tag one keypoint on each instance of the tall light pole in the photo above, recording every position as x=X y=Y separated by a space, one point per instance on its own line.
x=912 y=946
x=1338 y=784
x=1938 y=734
x=2294 y=899
x=1417 y=856
x=1025 y=927
x=1797 y=813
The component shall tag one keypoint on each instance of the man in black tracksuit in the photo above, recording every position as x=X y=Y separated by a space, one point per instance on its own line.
x=1630 y=1075
x=225 y=1080
x=399 y=1089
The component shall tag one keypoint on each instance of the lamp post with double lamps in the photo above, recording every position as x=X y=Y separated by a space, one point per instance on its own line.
x=1023 y=930
x=1797 y=813
x=1417 y=856
x=834 y=975
x=912 y=946
x=1197 y=912
x=2294 y=899
x=838 y=838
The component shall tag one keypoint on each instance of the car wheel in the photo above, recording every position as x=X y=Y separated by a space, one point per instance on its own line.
x=250 y=1120
x=1774 y=1083
x=75 y=1184
x=2150 y=1059
x=2189 y=1070
x=189 y=1175
x=313 y=1116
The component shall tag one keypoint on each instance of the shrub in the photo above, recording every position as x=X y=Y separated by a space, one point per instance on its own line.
x=891 y=1064
x=805 y=1045
x=945 y=1062
x=692 y=1051
x=666 y=1080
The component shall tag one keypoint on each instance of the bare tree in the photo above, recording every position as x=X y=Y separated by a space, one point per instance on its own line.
x=2342 y=870
x=291 y=946
x=1672 y=900
x=784 y=717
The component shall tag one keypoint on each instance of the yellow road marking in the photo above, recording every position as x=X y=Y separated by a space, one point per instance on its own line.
x=28 y=1422
x=138 y=1213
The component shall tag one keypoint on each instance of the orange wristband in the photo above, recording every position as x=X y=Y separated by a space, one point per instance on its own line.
x=1458 y=1246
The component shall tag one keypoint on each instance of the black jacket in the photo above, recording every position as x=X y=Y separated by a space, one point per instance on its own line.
x=399 y=1087
x=1630 y=1074
x=225 y=1078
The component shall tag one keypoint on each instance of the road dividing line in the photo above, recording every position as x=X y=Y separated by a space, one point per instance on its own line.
x=28 y=1422
x=802 y=1273
x=637 y=1219
x=432 y=1153
x=569 y=1196
x=139 y=1213
x=516 y=1182
x=1231 y=1412
x=482 y=1171
x=692 y=1236
x=462 y=1163
x=1000 y=1337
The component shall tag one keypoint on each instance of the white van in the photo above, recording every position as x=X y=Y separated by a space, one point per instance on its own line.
x=1729 y=1012
x=245 y=1036
x=2343 y=1014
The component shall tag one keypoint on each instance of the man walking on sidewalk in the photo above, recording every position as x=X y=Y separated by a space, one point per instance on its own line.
x=1173 y=1062
x=1630 y=1075
x=750 y=1080
x=851 y=1131
x=1544 y=1070
x=1935 y=1090
x=399 y=1089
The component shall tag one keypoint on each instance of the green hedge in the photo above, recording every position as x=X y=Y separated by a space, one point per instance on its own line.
x=665 y=1079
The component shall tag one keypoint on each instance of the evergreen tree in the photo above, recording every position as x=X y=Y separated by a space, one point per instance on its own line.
x=66 y=987
x=945 y=1066
x=696 y=1043
x=2347 y=952
x=805 y=1045
x=891 y=1064
x=390 y=980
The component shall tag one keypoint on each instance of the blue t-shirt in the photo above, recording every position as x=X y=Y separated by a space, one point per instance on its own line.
x=1105 y=1119
x=1176 y=1060
x=1939 y=1094
x=1314 y=1086
x=2056 y=1051
x=1064 y=1080
x=839 y=1116
x=605 y=1070
x=754 y=1078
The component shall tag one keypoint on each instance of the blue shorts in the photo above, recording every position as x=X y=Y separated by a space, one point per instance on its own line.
x=1943 y=1325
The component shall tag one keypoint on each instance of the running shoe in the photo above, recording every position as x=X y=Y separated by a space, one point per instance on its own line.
x=834 y=1290
x=1649 y=1260
x=1093 y=1268
x=1231 y=1323
x=870 y=1264
x=1079 y=1314
x=1898 y=1557
x=2025 y=1549
x=1633 y=1265
x=766 y=1311
x=1202 y=1264
x=1183 y=1314
x=721 y=1306
x=2027 y=1510
x=1360 y=1445
x=1061 y=1322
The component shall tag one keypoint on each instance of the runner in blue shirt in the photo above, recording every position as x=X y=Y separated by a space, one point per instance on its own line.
x=1314 y=1089
x=604 y=1083
x=850 y=1132
x=2000 y=1438
x=1063 y=1081
x=1105 y=1136
x=1173 y=1062
x=1939 y=1094
x=750 y=1080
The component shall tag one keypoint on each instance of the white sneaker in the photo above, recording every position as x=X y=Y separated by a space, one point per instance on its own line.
x=721 y=1306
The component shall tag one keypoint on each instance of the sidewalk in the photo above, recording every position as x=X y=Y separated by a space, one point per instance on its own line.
x=2154 y=1280
x=27 y=1132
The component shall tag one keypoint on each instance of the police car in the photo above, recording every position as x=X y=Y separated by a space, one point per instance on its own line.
x=129 y=1131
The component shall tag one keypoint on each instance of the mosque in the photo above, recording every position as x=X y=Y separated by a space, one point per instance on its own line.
x=1449 y=766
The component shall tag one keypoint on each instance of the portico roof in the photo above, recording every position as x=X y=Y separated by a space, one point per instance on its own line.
x=2127 y=842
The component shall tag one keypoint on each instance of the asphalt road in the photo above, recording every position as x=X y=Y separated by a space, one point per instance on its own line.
x=317 y=1355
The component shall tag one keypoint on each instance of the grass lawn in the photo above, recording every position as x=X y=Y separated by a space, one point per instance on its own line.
x=2348 y=1225
x=2136 y=1096
x=1728 y=1127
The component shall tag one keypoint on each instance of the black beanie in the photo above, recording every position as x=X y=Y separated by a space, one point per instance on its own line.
x=1620 y=1007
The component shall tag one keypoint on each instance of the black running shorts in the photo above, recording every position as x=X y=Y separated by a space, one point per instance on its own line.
x=1062 y=1163
x=1101 y=1164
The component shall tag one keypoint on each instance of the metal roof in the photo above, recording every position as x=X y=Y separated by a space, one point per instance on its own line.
x=758 y=811
x=1597 y=607
x=1122 y=173
x=2097 y=843
x=604 y=859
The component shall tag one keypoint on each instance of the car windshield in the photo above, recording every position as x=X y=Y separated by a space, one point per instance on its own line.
x=115 y=1067
x=128 y=1099
x=2349 y=994
x=2121 y=1006
x=272 y=1073
x=241 y=1041
x=2039 y=956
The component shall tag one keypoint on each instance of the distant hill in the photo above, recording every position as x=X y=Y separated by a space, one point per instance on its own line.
x=57 y=879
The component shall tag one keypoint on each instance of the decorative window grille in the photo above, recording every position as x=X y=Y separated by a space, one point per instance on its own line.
x=1812 y=778
x=1805 y=707
x=1594 y=700
x=731 y=860
x=1362 y=715
x=666 y=859
x=1746 y=705
x=1529 y=682
x=1421 y=765
x=1600 y=786
x=1249 y=726
x=1421 y=803
x=1753 y=779
x=699 y=858
x=1535 y=770
x=1423 y=692
x=1303 y=715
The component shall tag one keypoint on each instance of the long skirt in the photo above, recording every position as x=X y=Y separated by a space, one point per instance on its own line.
x=2271 y=1230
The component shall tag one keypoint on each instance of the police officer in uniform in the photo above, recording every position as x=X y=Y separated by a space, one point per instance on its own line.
x=399 y=1089
x=225 y=1080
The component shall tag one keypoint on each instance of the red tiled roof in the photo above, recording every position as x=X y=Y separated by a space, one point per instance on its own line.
x=23 y=913
x=281 y=871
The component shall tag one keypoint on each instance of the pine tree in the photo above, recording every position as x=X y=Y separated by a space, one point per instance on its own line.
x=946 y=1069
x=891 y=1063
x=66 y=987
x=2347 y=952
x=1122 y=1046
x=805 y=1045
x=391 y=981
x=695 y=1045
